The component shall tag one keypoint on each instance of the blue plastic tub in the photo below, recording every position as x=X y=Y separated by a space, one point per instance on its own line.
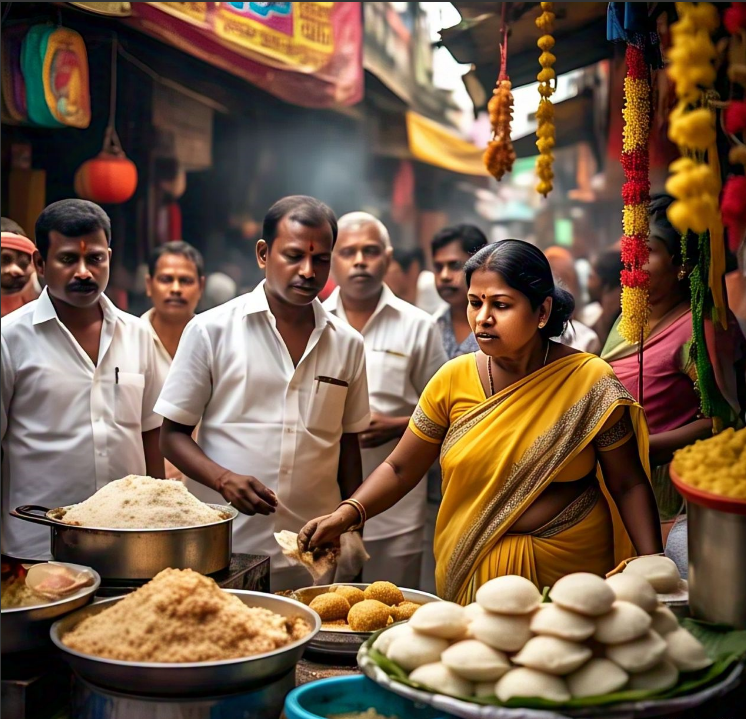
x=339 y=695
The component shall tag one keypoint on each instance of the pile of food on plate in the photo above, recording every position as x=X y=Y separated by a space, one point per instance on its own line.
x=362 y=610
x=136 y=502
x=182 y=616
x=594 y=637
x=40 y=584
x=716 y=464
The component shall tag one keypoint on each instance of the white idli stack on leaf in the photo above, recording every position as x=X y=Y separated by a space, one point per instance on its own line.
x=438 y=677
x=661 y=572
x=510 y=594
x=686 y=651
x=554 y=621
x=595 y=678
x=505 y=632
x=384 y=640
x=661 y=677
x=640 y=654
x=634 y=588
x=664 y=621
x=475 y=661
x=584 y=593
x=473 y=611
x=485 y=689
x=553 y=655
x=529 y=683
x=415 y=650
x=446 y=620
x=625 y=622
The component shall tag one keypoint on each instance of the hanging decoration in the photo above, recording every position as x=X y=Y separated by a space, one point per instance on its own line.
x=545 y=131
x=110 y=177
x=695 y=176
x=634 y=324
x=500 y=155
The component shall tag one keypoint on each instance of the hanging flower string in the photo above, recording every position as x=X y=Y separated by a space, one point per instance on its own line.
x=633 y=325
x=695 y=176
x=500 y=155
x=545 y=131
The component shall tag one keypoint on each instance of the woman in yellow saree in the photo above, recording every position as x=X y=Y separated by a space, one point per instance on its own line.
x=543 y=452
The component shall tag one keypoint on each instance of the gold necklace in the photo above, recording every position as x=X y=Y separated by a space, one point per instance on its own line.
x=489 y=369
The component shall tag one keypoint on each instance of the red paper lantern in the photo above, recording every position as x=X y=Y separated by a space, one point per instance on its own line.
x=109 y=179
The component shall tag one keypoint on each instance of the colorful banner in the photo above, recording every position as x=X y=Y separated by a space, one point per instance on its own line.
x=307 y=53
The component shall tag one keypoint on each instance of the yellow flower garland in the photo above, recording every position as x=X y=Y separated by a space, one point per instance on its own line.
x=545 y=131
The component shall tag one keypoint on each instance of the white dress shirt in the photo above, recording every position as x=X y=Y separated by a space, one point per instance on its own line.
x=68 y=426
x=403 y=350
x=264 y=417
x=580 y=337
x=162 y=357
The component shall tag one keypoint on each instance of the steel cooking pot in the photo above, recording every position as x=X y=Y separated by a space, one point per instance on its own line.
x=137 y=553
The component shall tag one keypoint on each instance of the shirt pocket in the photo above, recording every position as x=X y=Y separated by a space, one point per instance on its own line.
x=128 y=396
x=327 y=405
x=387 y=372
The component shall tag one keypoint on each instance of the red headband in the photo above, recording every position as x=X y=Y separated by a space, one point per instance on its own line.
x=12 y=241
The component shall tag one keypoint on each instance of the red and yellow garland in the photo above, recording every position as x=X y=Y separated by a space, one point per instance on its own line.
x=633 y=325
x=545 y=131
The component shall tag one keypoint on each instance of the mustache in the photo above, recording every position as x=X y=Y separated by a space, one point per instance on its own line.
x=15 y=284
x=81 y=286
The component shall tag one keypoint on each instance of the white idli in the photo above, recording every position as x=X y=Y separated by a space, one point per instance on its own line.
x=664 y=621
x=528 y=683
x=583 y=593
x=384 y=640
x=475 y=661
x=686 y=651
x=661 y=572
x=661 y=677
x=640 y=654
x=554 y=621
x=502 y=631
x=510 y=594
x=595 y=678
x=473 y=611
x=553 y=655
x=441 y=679
x=623 y=623
x=446 y=620
x=414 y=650
x=634 y=588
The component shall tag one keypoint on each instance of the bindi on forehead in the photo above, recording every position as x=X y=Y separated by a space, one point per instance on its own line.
x=83 y=247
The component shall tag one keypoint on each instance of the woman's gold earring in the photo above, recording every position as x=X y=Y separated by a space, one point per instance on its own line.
x=682 y=274
x=541 y=325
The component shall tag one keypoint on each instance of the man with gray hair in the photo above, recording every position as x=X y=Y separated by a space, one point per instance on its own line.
x=403 y=350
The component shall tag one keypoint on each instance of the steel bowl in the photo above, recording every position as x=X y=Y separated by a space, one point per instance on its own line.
x=27 y=628
x=341 y=644
x=137 y=553
x=194 y=678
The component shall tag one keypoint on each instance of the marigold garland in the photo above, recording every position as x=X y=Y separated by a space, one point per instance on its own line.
x=500 y=155
x=695 y=177
x=545 y=131
x=633 y=325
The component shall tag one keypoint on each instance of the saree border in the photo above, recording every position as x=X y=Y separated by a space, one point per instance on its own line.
x=539 y=463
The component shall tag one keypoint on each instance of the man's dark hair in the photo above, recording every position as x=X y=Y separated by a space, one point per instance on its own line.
x=72 y=218
x=608 y=266
x=8 y=225
x=299 y=208
x=177 y=247
x=472 y=239
x=405 y=258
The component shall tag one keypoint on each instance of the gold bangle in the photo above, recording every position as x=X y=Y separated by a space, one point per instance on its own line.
x=361 y=512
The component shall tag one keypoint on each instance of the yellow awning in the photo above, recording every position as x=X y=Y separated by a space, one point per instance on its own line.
x=435 y=144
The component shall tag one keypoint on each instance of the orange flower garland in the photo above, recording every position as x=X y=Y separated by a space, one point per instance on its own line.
x=633 y=325
x=545 y=131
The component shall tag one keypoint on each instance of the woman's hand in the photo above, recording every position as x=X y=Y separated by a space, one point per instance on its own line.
x=327 y=529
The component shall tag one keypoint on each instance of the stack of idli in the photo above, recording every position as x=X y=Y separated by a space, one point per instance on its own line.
x=593 y=638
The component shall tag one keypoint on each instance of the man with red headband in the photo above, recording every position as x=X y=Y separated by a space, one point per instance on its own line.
x=18 y=284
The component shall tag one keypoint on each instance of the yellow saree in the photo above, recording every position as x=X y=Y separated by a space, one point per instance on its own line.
x=499 y=453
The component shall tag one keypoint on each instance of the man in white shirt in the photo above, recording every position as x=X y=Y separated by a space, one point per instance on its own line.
x=280 y=388
x=79 y=380
x=403 y=350
x=174 y=284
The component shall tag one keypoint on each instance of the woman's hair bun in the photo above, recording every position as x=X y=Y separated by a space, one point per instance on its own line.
x=563 y=305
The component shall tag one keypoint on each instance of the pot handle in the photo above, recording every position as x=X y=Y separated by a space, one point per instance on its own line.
x=27 y=513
